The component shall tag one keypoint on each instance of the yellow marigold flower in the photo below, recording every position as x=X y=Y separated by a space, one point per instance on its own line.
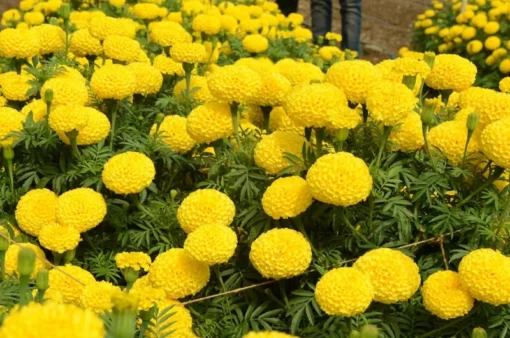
x=408 y=135
x=97 y=296
x=302 y=34
x=58 y=238
x=11 y=259
x=168 y=33
x=474 y=47
x=211 y=244
x=117 y=3
x=35 y=209
x=395 y=276
x=113 y=82
x=66 y=92
x=15 y=87
x=51 y=38
x=492 y=43
x=178 y=324
x=451 y=72
x=411 y=67
x=273 y=91
x=103 y=26
x=174 y=134
x=208 y=24
x=228 y=23
x=255 y=43
x=64 y=119
x=3 y=101
x=210 y=122
x=205 y=206
x=344 y=117
x=281 y=253
x=450 y=138
x=445 y=297
x=168 y=66
x=331 y=36
x=200 y=92
x=174 y=17
x=287 y=197
x=504 y=84
x=128 y=173
x=268 y=334
x=18 y=43
x=146 y=11
x=81 y=209
x=492 y=27
x=270 y=152
x=340 y=179
x=12 y=121
x=121 y=48
x=68 y=287
x=468 y=33
x=279 y=120
x=55 y=320
x=134 y=260
x=354 y=77
x=495 y=138
x=186 y=52
x=344 y=292
x=504 y=66
x=389 y=102
x=260 y=65
x=299 y=72
x=148 y=78
x=327 y=53
x=179 y=274
x=148 y=296
x=489 y=104
x=485 y=274
x=66 y=72
x=235 y=84
x=311 y=105
x=97 y=128
x=33 y=18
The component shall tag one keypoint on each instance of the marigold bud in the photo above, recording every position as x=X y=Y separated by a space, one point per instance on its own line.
x=429 y=58
x=48 y=95
x=478 y=332
x=342 y=134
x=42 y=279
x=354 y=334
x=26 y=261
x=160 y=117
x=428 y=113
x=472 y=121
x=369 y=331
x=4 y=239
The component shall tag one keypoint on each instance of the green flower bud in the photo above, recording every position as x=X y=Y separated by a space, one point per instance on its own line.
x=478 y=332
x=26 y=261
x=42 y=279
x=320 y=40
x=428 y=114
x=8 y=153
x=53 y=21
x=472 y=121
x=409 y=81
x=124 y=315
x=48 y=95
x=369 y=331
x=159 y=118
x=342 y=134
x=130 y=274
x=69 y=256
x=354 y=334
x=65 y=11
x=429 y=58
x=4 y=239
x=307 y=58
x=173 y=194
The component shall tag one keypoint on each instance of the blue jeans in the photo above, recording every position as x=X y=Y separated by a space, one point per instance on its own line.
x=350 y=10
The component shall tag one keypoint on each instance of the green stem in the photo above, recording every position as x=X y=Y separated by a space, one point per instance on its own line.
x=8 y=156
x=23 y=289
x=234 y=108
x=2 y=264
x=40 y=295
x=143 y=328
x=427 y=146
x=266 y=111
x=19 y=65
x=57 y=258
x=113 y=106
x=188 y=68
x=298 y=221
x=218 y=148
x=72 y=135
x=136 y=201
x=470 y=133
x=365 y=114
x=498 y=171
x=319 y=135
x=355 y=232
x=386 y=134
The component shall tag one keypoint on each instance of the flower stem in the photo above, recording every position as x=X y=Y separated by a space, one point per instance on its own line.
x=188 y=68
x=498 y=171
x=2 y=264
x=23 y=289
x=234 y=108
x=113 y=106
x=136 y=201
x=72 y=135
x=143 y=328
x=427 y=146
x=298 y=221
x=355 y=232
x=386 y=134
x=319 y=135
x=8 y=156
x=470 y=133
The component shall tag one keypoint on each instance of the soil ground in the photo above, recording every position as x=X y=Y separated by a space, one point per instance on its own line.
x=386 y=23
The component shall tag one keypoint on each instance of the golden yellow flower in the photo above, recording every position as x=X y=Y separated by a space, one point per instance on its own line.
x=35 y=209
x=186 y=52
x=354 y=77
x=15 y=87
x=299 y=72
x=450 y=138
x=11 y=259
x=59 y=238
x=235 y=83
x=147 y=295
x=68 y=287
x=148 y=78
x=121 y=48
x=103 y=26
x=178 y=324
x=66 y=92
x=255 y=43
x=390 y=102
x=97 y=128
x=287 y=197
x=168 y=33
x=208 y=24
x=451 y=72
x=270 y=152
x=174 y=134
x=128 y=173
x=12 y=121
x=33 y=18
x=51 y=38
x=211 y=244
x=97 y=296
x=408 y=135
x=64 y=119
x=279 y=120
x=146 y=11
x=19 y=43
x=487 y=103
x=133 y=260
x=113 y=82
x=81 y=209
x=495 y=138
x=168 y=66
x=504 y=84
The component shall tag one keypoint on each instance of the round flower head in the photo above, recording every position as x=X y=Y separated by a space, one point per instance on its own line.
x=168 y=66
x=287 y=197
x=148 y=78
x=344 y=117
x=411 y=67
x=179 y=274
x=200 y=91
x=270 y=152
x=451 y=72
x=15 y=87
x=299 y=72
x=450 y=138
x=208 y=24
x=12 y=121
x=146 y=11
x=35 y=209
x=274 y=89
x=327 y=53
x=340 y=179
x=255 y=43
x=504 y=84
x=187 y=52
x=167 y=33
x=311 y=105
x=81 y=209
x=205 y=206
x=354 y=77
x=113 y=82
x=252 y=114
x=18 y=43
x=102 y=27
x=148 y=296
x=390 y=102
x=279 y=120
x=281 y=254
x=66 y=92
x=495 y=140
x=37 y=108
x=11 y=259
x=177 y=325
x=260 y=65
x=445 y=297
x=33 y=18
x=133 y=260
x=58 y=238
x=344 y=292
x=173 y=133
x=408 y=135
x=487 y=103
x=235 y=84
x=210 y=122
x=97 y=128
x=121 y=48
x=485 y=274
x=268 y=334
x=128 y=173
x=66 y=72
x=64 y=119
x=211 y=244
x=51 y=38
x=395 y=276
x=54 y=319
x=97 y=296
x=68 y=287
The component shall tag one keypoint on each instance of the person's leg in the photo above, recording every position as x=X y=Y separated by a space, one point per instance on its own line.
x=350 y=11
x=321 y=17
x=287 y=6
